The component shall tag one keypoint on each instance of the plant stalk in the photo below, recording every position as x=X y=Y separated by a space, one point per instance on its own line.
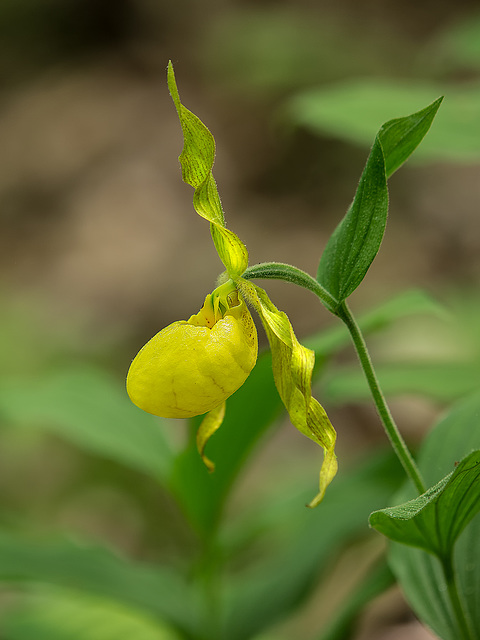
x=289 y=273
x=386 y=417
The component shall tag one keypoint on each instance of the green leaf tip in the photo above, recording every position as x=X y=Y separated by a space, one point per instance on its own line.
x=401 y=136
x=172 y=85
x=434 y=520
x=198 y=154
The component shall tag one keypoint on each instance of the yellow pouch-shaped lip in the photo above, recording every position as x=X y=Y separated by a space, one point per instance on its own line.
x=191 y=367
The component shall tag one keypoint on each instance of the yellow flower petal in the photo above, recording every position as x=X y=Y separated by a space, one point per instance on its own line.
x=211 y=422
x=292 y=370
x=190 y=368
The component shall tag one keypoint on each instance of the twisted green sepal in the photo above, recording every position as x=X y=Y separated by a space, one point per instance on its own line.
x=196 y=159
x=211 y=422
x=292 y=370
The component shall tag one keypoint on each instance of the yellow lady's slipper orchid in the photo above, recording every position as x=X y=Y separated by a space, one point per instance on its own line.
x=192 y=367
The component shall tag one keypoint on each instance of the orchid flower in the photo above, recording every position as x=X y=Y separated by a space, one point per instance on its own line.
x=191 y=367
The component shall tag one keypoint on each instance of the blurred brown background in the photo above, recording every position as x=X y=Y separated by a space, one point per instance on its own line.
x=99 y=244
x=96 y=222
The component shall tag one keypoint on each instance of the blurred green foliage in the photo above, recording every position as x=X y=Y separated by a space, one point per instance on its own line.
x=270 y=554
x=459 y=44
x=52 y=614
x=265 y=554
x=265 y=53
x=352 y=110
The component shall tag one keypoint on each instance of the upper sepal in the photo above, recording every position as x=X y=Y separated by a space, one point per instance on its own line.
x=196 y=159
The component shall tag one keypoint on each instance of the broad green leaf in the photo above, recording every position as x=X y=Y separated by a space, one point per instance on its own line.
x=351 y=111
x=59 y=614
x=419 y=573
x=421 y=579
x=285 y=577
x=158 y=591
x=197 y=160
x=456 y=435
x=434 y=520
x=92 y=410
x=356 y=241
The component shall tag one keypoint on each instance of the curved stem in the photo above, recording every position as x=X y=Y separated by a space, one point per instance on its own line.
x=386 y=417
x=289 y=273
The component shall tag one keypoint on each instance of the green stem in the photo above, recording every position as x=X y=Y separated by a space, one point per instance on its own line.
x=288 y=273
x=458 y=609
x=386 y=417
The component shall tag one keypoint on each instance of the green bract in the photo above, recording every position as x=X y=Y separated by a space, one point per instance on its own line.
x=355 y=242
x=191 y=367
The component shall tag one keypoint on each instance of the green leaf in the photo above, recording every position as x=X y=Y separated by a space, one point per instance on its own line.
x=434 y=520
x=401 y=136
x=356 y=241
x=159 y=591
x=456 y=435
x=92 y=410
x=351 y=111
x=59 y=614
x=420 y=576
x=418 y=572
